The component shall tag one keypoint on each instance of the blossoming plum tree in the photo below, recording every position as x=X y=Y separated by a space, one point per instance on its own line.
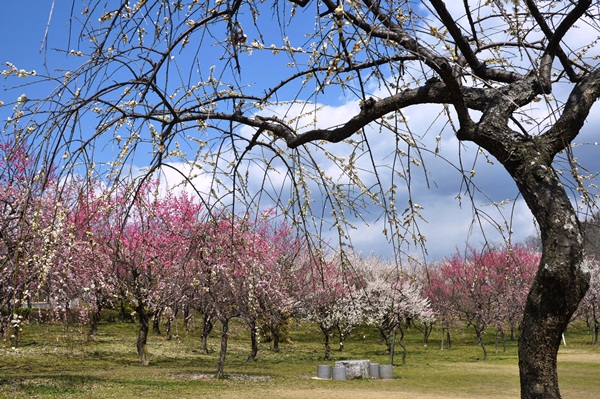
x=320 y=287
x=150 y=239
x=31 y=224
x=392 y=299
x=489 y=68
x=483 y=287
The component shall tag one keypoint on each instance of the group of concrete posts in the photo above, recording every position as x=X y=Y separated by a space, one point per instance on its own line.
x=353 y=369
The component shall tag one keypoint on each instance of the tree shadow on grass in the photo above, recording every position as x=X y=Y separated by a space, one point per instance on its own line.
x=48 y=384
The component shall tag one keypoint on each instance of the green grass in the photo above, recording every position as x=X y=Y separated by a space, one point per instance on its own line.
x=54 y=362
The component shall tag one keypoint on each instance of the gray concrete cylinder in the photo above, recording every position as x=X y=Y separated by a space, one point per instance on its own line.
x=386 y=371
x=324 y=371
x=374 y=370
x=339 y=373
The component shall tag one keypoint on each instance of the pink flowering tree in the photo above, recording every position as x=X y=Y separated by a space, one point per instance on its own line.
x=151 y=240
x=484 y=288
x=465 y=281
x=440 y=292
x=84 y=269
x=180 y=220
x=227 y=261
x=511 y=270
x=321 y=287
x=274 y=249
x=277 y=291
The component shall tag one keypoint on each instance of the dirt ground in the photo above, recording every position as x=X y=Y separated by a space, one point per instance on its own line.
x=354 y=394
x=395 y=389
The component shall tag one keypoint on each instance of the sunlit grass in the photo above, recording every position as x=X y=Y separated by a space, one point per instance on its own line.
x=57 y=362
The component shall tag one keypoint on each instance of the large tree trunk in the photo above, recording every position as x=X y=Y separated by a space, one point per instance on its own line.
x=561 y=280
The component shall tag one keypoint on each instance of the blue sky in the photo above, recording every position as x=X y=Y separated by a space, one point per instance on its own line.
x=448 y=226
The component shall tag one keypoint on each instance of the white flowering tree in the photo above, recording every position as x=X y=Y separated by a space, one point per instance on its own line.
x=167 y=82
x=393 y=299
x=31 y=226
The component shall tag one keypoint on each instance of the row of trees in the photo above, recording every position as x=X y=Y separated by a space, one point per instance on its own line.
x=86 y=248
x=166 y=255
x=163 y=254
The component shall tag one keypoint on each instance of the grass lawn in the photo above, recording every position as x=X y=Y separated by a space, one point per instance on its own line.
x=55 y=362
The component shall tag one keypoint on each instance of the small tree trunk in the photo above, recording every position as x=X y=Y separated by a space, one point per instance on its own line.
x=156 y=322
x=479 y=332
x=401 y=343
x=341 y=334
x=94 y=320
x=385 y=338
x=223 y=352
x=596 y=325
x=142 y=350
x=253 y=341
x=122 y=312
x=207 y=326
x=427 y=329
x=16 y=329
x=276 y=338
x=393 y=346
x=186 y=317
x=443 y=331
x=497 y=340
x=168 y=324
x=327 y=332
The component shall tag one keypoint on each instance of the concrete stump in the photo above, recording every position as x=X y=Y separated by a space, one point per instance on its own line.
x=386 y=371
x=338 y=373
x=374 y=370
x=355 y=368
x=324 y=371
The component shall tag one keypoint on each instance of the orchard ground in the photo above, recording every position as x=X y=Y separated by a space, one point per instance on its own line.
x=56 y=361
